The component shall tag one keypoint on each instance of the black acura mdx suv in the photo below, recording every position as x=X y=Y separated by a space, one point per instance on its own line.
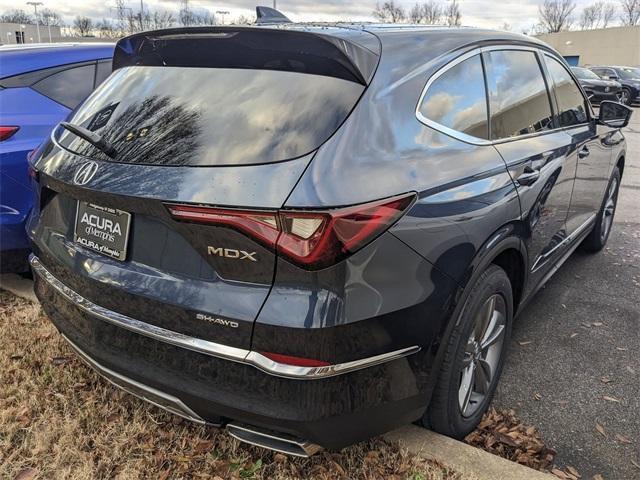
x=310 y=235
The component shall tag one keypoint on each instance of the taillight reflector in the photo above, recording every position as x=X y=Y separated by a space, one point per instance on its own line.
x=311 y=239
x=295 y=361
x=7 y=132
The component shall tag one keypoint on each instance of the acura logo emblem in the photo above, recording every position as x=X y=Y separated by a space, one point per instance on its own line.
x=85 y=173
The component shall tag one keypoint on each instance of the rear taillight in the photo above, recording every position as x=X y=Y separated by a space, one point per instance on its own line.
x=311 y=239
x=7 y=132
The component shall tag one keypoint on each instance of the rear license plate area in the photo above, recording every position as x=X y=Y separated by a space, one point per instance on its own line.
x=102 y=229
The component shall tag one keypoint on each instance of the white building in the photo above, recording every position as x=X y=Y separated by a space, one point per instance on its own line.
x=12 y=33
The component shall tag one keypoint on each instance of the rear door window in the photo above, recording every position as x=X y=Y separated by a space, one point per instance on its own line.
x=457 y=99
x=212 y=116
x=572 y=108
x=68 y=87
x=519 y=100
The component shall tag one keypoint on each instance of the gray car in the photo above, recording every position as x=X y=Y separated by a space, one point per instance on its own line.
x=310 y=235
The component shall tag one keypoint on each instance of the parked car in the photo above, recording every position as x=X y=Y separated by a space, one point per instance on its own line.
x=39 y=85
x=628 y=77
x=596 y=88
x=311 y=246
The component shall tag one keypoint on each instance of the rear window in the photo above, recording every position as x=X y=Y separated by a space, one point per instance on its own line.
x=211 y=116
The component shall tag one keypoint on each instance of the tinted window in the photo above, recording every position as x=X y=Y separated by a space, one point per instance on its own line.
x=212 y=116
x=68 y=87
x=518 y=96
x=103 y=71
x=571 y=103
x=457 y=99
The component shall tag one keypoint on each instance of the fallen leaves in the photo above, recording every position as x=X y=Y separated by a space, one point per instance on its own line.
x=623 y=439
x=601 y=430
x=522 y=343
x=606 y=380
x=611 y=399
x=503 y=434
x=26 y=474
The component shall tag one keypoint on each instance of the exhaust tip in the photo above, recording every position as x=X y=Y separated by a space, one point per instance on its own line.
x=278 y=442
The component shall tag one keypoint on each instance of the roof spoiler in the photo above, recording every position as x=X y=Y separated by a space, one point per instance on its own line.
x=259 y=47
x=270 y=16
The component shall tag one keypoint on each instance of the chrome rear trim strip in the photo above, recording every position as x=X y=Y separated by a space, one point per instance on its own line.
x=207 y=347
x=145 y=392
x=273 y=441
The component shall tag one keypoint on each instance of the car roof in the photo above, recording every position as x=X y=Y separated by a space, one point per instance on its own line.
x=18 y=59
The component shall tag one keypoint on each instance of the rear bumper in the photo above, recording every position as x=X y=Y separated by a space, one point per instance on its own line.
x=340 y=407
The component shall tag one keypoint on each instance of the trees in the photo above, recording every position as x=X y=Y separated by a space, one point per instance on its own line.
x=17 y=16
x=83 y=26
x=630 y=12
x=555 y=15
x=389 y=12
x=598 y=15
x=429 y=12
x=50 y=18
x=453 y=14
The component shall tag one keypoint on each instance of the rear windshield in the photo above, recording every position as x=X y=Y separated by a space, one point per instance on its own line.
x=211 y=116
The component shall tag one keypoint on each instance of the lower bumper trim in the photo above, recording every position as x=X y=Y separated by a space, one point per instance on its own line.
x=253 y=358
x=145 y=392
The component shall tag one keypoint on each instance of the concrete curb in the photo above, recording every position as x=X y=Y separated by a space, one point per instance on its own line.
x=19 y=286
x=460 y=457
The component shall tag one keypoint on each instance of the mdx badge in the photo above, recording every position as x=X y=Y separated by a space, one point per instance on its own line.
x=217 y=320
x=85 y=173
x=232 y=253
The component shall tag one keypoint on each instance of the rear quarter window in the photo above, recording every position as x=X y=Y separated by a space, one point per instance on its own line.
x=457 y=99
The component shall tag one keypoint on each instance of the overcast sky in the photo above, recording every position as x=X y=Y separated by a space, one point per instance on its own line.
x=519 y=14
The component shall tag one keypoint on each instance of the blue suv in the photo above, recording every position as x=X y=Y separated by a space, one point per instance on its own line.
x=39 y=86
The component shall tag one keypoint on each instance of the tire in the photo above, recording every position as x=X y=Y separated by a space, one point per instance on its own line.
x=597 y=238
x=450 y=413
x=625 y=96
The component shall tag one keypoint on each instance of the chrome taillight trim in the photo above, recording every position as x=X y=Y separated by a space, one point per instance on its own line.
x=255 y=359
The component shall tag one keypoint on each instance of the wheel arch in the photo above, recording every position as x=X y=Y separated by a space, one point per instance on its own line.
x=504 y=248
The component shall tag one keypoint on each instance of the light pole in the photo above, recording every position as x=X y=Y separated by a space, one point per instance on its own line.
x=222 y=13
x=35 y=9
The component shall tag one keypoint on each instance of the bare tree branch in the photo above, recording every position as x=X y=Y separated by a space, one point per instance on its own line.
x=555 y=15
x=453 y=14
x=389 y=12
x=630 y=12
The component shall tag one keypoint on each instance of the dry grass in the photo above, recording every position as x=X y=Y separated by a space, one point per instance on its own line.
x=58 y=419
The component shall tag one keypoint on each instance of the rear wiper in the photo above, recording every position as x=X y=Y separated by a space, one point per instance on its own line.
x=91 y=137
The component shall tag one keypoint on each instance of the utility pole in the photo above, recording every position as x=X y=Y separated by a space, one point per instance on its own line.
x=35 y=9
x=222 y=13
x=141 y=13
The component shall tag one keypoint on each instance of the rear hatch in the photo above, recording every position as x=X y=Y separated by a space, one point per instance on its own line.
x=208 y=117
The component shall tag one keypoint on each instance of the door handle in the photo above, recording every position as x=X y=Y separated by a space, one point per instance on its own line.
x=528 y=177
x=584 y=152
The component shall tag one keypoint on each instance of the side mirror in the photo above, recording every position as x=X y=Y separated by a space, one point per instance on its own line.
x=614 y=114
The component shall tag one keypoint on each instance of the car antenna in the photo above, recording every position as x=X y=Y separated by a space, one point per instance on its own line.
x=270 y=16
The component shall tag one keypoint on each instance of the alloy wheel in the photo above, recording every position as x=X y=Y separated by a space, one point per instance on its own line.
x=609 y=209
x=624 y=97
x=482 y=355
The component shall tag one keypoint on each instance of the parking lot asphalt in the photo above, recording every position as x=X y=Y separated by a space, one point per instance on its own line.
x=573 y=368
